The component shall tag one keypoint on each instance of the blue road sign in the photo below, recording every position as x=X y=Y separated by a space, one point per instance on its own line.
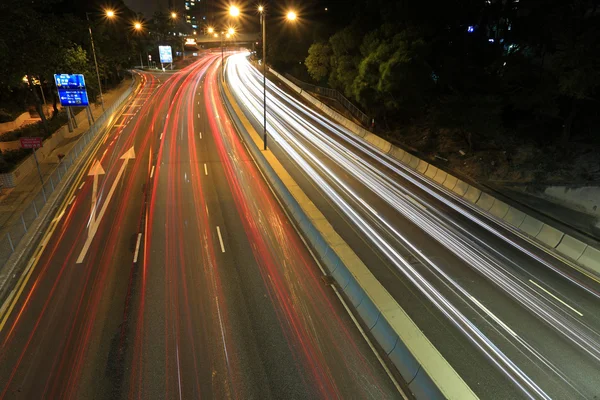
x=71 y=90
x=166 y=55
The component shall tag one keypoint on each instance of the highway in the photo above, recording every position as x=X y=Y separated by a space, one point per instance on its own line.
x=513 y=321
x=171 y=271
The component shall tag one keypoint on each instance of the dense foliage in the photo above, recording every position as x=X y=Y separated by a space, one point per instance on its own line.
x=535 y=64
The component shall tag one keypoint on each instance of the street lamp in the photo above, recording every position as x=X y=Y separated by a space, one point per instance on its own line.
x=138 y=27
x=234 y=11
x=108 y=14
x=174 y=15
x=290 y=16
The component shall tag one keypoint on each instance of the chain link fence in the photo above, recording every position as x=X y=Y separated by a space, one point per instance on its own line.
x=363 y=118
x=16 y=228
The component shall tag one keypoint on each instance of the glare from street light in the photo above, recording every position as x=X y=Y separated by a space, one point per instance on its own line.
x=234 y=11
x=173 y=15
x=216 y=35
x=231 y=31
x=291 y=16
x=137 y=25
x=261 y=9
x=211 y=29
x=228 y=36
x=110 y=13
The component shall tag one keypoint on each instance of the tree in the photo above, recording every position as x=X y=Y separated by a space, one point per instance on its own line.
x=318 y=61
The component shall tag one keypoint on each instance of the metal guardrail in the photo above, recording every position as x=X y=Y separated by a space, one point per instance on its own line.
x=18 y=228
x=364 y=119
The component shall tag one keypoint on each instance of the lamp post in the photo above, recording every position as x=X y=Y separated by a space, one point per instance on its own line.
x=234 y=12
x=290 y=16
x=109 y=14
x=138 y=27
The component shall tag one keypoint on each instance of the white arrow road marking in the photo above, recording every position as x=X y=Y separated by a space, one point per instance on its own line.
x=95 y=171
x=130 y=154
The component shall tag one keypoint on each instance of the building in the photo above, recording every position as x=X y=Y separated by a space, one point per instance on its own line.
x=199 y=13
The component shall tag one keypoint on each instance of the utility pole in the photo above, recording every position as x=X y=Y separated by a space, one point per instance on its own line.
x=264 y=32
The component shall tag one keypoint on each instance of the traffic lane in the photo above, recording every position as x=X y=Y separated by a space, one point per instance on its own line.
x=559 y=278
x=469 y=280
x=57 y=295
x=289 y=274
x=177 y=350
x=127 y=242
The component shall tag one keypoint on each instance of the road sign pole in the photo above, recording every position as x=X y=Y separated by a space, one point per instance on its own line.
x=73 y=117
x=69 y=122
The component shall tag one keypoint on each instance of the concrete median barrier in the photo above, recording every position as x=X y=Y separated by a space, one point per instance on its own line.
x=472 y=194
x=461 y=187
x=590 y=259
x=431 y=171
x=531 y=226
x=571 y=247
x=450 y=182
x=485 y=201
x=514 y=217
x=549 y=236
x=499 y=209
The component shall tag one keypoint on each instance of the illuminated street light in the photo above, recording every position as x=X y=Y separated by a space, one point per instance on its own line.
x=234 y=11
x=231 y=31
x=216 y=35
x=174 y=15
x=228 y=35
x=110 y=13
x=137 y=26
x=291 y=16
x=211 y=29
x=261 y=9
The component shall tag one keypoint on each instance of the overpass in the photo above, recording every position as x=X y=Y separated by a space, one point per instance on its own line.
x=210 y=41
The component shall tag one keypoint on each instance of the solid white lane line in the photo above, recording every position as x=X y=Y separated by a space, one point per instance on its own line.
x=160 y=138
x=198 y=115
x=81 y=186
x=137 y=247
x=556 y=298
x=72 y=200
x=205 y=169
x=200 y=133
x=152 y=172
x=498 y=320
x=220 y=240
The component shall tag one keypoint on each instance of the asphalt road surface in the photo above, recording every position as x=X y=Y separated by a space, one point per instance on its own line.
x=170 y=271
x=513 y=321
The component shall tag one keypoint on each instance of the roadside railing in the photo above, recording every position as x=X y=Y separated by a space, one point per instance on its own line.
x=364 y=119
x=17 y=228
